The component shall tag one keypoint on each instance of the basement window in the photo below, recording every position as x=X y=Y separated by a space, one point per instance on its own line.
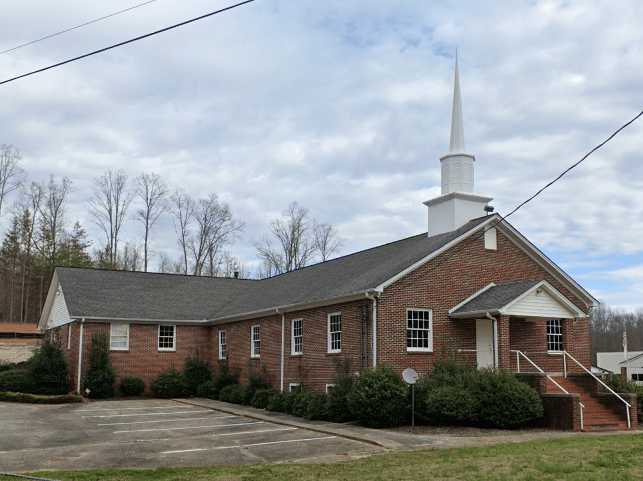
x=335 y=332
x=118 y=337
x=419 y=335
x=554 y=335
x=294 y=387
x=255 y=341
x=167 y=338
x=297 y=337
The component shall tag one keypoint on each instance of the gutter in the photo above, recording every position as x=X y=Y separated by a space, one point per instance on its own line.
x=80 y=356
x=374 y=297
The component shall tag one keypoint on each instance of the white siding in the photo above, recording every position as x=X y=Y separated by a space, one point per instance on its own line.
x=540 y=304
x=611 y=360
x=59 y=314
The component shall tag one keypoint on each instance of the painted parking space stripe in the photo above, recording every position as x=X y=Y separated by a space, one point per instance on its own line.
x=147 y=414
x=239 y=446
x=182 y=428
x=203 y=436
x=169 y=406
x=166 y=420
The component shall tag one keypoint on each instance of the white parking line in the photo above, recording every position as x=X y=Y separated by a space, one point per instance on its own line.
x=166 y=420
x=169 y=406
x=239 y=446
x=187 y=427
x=147 y=414
x=223 y=434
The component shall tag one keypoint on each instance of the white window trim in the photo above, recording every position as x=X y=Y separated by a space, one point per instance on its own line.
x=406 y=320
x=69 y=326
x=221 y=356
x=253 y=355
x=555 y=352
x=329 y=386
x=158 y=338
x=292 y=385
x=328 y=336
x=292 y=338
x=111 y=327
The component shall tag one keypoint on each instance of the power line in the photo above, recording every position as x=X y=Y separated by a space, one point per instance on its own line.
x=75 y=27
x=502 y=218
x=120 y=44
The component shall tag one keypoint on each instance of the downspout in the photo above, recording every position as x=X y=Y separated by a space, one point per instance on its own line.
x=494 y=332
x=80 y=355
x=374 y=328
x=283 y=346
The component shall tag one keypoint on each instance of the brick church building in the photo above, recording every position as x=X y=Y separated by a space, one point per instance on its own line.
x=471 y=288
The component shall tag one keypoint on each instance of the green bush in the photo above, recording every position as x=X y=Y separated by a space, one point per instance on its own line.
x=317 y=408
x=20 y=397
x=505 y=402
x=450 y=405
x=222 y=378
x=261 y=398
x=234 y=393
x=48 y=368
x=300 y=401
x=379 y=398
x=196 y=371
x=277 y=403
x=207 y=390
x=17 y=380
x=132 y=386
x=338 y=399
x=169 y=384
x=256 y=381
x=100 y=376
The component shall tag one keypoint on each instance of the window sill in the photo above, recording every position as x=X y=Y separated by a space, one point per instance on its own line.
x=166 y=350
x=296 y=354
x=119 y=349
x=419 y=351
x=555 y=353
x=333 y=353
x=255 y=357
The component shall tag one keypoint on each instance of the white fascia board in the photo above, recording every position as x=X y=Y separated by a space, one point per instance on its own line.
x=434 y=254
x=141 y=321
x=555 y=293
x=550 y=266
x=471 y=297
x=474 y=314
x=49 y=302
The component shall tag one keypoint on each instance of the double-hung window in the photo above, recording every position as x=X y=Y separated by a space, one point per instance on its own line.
x=335 y=332
x=255 y=341
x=297 y=337
x=554 y=335
x=118 y=337
x=223 y=345
x=419 y=330
x=167 y=338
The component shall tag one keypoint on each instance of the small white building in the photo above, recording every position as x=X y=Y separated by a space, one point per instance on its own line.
x=615 y=361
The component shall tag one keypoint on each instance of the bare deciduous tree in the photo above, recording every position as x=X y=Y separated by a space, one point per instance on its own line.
x=291 y=246
x=51 y=212
x=151 y=190
x=183 y=212
x=32 y=200
x=108 y=205
x=325 y=240
x=10 y=171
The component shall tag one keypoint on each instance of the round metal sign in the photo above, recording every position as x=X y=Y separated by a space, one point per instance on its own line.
x=410 y=376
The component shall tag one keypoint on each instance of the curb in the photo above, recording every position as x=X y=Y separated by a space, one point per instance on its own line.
x=286 y=422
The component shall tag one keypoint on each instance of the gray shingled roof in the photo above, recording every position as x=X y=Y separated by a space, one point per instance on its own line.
x=496 y=297
x=137 y=295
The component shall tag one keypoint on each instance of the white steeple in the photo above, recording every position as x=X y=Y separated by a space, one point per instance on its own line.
x=458 y=204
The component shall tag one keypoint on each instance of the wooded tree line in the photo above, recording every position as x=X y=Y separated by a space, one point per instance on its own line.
x=607 y=326
x=40 y=235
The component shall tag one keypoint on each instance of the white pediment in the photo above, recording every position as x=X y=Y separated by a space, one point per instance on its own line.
x=542 y=301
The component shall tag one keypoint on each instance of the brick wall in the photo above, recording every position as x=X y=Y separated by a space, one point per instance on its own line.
x=449 y=279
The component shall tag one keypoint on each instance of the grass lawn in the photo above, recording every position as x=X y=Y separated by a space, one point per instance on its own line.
x=580 y=459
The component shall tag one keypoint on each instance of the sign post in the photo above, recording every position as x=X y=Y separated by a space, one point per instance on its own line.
x=410 y=377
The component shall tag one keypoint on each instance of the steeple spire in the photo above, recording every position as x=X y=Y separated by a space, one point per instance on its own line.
x=456 y=145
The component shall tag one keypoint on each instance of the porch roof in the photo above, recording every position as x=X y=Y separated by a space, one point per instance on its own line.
x=525 y=298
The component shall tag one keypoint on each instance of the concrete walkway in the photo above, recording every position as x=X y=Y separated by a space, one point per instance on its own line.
x=401 y=438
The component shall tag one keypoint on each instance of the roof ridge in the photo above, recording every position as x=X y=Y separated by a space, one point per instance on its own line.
x=174 y=274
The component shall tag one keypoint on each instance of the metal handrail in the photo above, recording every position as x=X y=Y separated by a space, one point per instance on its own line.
x=580 y=404
x=627 y=405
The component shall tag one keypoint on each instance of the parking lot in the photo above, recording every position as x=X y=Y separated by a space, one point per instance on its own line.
x=152 y=433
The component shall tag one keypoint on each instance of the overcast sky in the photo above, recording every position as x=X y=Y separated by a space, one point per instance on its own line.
x=344 y=107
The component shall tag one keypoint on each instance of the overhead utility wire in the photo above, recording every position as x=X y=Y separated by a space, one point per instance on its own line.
x=75 y=27
x=502 y=218
x=120 y=44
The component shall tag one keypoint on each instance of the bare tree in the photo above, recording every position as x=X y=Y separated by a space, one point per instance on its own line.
x=32 y=200
x=168 y=265
x=325 y=240
x=291 y=245
x=183 y=211
x=10 y=171
x=129 y=258
x=151 y=190
x=51 y=210
x=108 y=205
